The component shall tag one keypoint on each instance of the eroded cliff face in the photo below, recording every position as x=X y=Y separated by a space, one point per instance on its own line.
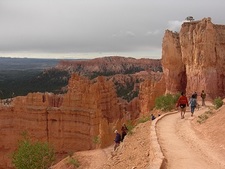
x=173 y=66
x=88 y=112
x=194 y=59
x=82 y=119
x=150 y=89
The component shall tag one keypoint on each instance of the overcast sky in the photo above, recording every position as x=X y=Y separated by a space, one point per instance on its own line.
x=95 y=28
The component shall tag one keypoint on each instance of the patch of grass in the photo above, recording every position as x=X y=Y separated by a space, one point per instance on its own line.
x=218 y=102
x=73 y=162
x=209 y=112
x=203 y=117
x=33 y=155
x=166 y=102
x=96 y=140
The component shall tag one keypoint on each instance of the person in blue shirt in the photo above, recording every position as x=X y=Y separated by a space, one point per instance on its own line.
x=117 y=139
x=193 y=104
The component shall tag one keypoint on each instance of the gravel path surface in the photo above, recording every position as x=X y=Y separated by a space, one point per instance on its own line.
x=183 y=147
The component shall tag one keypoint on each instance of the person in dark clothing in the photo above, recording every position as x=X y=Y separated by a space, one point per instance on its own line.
x=124 y=131
x=117 y=139
x=193 y=103
x=152 y=117
x=203 y=96
x=195 y=95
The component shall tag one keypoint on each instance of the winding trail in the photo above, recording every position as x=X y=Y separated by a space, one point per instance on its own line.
x=182 y=147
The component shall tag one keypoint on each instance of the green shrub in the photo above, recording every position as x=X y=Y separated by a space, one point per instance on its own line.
x=96 y=140
x=37 y=155
x=73 y=162
x=218 y=102
x=209 y=112
x=202 y=118
x=166 y=102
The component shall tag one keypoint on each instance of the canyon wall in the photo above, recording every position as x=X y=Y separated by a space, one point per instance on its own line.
x=194 y=59
x=87 y=113
x=150 y=89
x=173 y=67
x=82 y=119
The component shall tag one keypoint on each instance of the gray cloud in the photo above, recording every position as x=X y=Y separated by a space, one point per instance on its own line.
x=131 y=27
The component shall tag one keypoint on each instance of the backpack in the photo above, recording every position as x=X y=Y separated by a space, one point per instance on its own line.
x=193 y=102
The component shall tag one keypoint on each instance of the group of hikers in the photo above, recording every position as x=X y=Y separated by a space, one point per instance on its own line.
x=183 y=102
x=119 y=137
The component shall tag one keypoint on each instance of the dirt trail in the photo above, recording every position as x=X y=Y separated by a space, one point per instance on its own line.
x=182 y=147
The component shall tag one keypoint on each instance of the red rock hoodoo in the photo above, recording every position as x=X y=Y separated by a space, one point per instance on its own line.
x=194 y=59
x=71 y=122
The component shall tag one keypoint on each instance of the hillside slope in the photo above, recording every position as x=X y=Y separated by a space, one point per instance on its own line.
x=134 y=152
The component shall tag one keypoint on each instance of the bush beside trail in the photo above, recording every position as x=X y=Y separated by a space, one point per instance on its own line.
x=166 y=102
x=33 y=155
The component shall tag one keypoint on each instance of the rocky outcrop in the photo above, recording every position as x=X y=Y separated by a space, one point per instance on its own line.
x=126 y=73
x=149 y=91
x=69 y=122
x=173 y=67
x=82 y=119
x=193 y=59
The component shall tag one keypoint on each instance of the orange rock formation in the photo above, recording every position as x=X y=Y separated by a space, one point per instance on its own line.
x=193 y=59
x=69 y=122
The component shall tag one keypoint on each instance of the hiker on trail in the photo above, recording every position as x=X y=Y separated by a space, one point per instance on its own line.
x=124 y=131
x=203 y=96
x=182 y=103
x=152 y=117
x=117 y=139
x=195 y=95
x=193 y=103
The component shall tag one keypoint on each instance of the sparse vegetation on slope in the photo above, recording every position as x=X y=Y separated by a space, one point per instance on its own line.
x=218 y=102
x=166 y=102
x=203 y=117
x=33 y=155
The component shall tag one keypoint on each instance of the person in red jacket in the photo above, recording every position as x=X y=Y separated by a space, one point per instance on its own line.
x=182 y=103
